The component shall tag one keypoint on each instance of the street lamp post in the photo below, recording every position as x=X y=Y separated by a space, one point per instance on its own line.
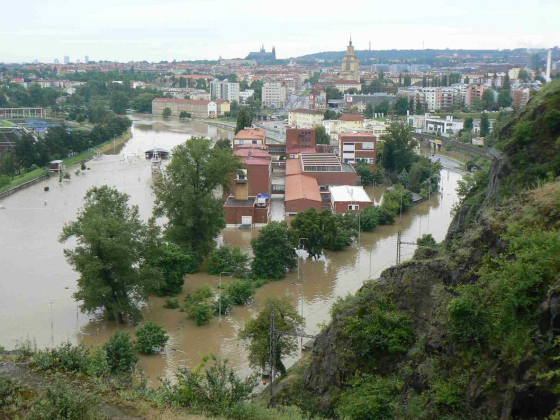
x=220 y=299
x=300 y=284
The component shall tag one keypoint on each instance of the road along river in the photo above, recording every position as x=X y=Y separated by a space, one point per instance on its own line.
x=36 y=283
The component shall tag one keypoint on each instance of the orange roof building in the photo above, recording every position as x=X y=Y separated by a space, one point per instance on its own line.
x=302 y=192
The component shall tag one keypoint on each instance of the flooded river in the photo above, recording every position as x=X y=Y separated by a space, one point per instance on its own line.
x=36 y=283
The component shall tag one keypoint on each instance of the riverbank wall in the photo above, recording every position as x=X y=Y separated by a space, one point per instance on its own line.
x=71 y=161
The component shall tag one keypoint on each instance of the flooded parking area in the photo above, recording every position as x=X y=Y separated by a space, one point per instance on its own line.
x=36 y=283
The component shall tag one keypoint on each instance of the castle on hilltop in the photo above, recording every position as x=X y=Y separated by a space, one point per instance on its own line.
x=262 y=56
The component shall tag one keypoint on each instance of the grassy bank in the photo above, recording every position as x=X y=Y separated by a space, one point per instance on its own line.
x=68 y=162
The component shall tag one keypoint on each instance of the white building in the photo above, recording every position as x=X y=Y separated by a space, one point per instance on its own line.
x=445 y=127
x=273 y=95
x=244 y=96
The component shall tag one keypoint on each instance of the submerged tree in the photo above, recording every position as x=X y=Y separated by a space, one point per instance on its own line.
x=274 y=251
x=185 y=194
x=109 y=255
x=257 y=332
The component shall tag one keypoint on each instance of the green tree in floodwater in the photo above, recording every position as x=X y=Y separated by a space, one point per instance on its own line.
x=109 y=255
x=184 y=194
x=257 y=332
x=244 y=119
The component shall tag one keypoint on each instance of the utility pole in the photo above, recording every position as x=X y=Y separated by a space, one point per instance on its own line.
x=220 y=299
x=272 y=355
x=398 y=247
x=273 y=333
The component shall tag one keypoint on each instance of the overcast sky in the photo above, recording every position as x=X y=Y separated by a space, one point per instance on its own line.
x=155 y=30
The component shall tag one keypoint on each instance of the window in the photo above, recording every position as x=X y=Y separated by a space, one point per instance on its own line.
x=353 y=207
x=368 y=145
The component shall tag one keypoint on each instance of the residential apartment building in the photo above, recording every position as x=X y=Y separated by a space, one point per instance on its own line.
x=374 y=99
x=273 y=95
x=306 y=118
x=474 y=93
x=222 y=89
x=520 y=97
x=434 y=98
x=357 y=147
x=197 y=108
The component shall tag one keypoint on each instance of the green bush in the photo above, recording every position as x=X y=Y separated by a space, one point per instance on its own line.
x=225 y=305
x=98 y=365
x=171 y=303
x=202 y=313
x=369 y=397
x=230 y=260
x=370 y=218
x=9 y=394
x=62 y=402
x=150 y=336
x=213 y=389
x=202 y=292
x=373 y=327
x=240 y=292
x=64 y=358
x=121 y=354
x=4 y=180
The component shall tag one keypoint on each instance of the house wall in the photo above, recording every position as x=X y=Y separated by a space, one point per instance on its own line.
x=300 y=138
x=342 y=206
x=259 y=179
x=333 y=178
x=295 y=206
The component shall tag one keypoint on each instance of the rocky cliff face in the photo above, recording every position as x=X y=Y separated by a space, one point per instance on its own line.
x=440 y=373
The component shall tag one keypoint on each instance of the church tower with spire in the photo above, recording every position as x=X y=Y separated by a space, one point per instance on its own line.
x=350 y=64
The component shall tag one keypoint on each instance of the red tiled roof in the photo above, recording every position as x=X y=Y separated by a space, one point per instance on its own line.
x=293 y=167
x=242 y=147
x=251 y=134
x=350 y=117
x=250 y=160
x=253 y=152
x=221 y=101
x=302 y=187
x=350 y=134
x=183 y=101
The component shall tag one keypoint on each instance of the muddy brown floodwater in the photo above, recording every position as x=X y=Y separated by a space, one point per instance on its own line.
x=36 y=283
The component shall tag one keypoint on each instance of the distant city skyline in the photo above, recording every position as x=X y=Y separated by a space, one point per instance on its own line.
x=190 y=30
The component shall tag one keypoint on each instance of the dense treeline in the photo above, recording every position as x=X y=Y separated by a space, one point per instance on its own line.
x=112 y=89
x=59 y=142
